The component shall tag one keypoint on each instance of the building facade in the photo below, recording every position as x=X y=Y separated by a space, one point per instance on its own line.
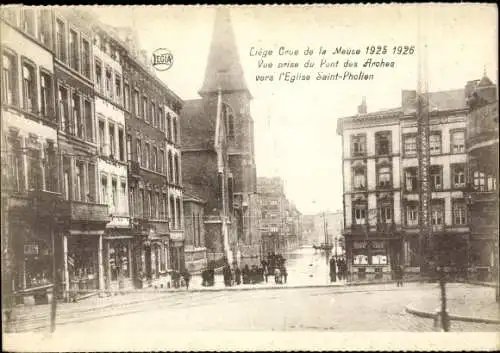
x=82 y=196
x=381 y=187
x=482 y=177
x=194 y=231
x=30 y=178
x=273 y=215
x=85 y=223
x=112 y=163
x=155 y=191
x=217 y=150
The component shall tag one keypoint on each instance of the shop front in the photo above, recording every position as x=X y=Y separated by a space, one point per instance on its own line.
x=32 y=232
x=33 y=279
x=370 y=259
x=118 y=261
x=83 y=226
x=83 y=254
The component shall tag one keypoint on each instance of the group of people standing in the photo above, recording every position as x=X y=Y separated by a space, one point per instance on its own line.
x=274 y=264
x=338 y=268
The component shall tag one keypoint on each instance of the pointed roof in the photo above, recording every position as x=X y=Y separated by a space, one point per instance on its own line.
x=485 y=81
x=223 y=67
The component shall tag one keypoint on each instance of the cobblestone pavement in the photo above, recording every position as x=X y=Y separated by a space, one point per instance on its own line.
x=364 y=308
x=469 y=301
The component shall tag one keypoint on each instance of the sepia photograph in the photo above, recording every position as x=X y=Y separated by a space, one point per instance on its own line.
x=248 y=178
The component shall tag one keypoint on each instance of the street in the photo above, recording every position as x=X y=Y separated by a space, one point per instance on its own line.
x=306 y=303
x=378 y=308
x=305 y=267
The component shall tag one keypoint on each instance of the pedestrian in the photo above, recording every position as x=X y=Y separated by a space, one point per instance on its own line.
x=285 y=273
x=277 y=276
x=246 y=274
x=340 y=264
x=333 y=270
x=237 y=275
x=187 y=277
x=226 y=274
x=398 y=274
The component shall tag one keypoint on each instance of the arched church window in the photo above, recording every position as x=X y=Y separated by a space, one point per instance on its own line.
x=228 y=119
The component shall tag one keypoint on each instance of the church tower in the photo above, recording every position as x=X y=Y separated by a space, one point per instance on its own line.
x=224 y=74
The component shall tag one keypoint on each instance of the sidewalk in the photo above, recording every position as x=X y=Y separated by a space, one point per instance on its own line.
x=477 y=305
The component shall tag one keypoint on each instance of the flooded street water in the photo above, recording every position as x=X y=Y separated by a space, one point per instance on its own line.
x=308 y=266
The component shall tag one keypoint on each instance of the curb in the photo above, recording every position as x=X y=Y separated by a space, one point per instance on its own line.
x=477 y=283
x=429 y=315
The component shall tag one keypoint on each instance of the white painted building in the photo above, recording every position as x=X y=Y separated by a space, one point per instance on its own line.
x=112 y=163
x=175 y=190
x=380 y=180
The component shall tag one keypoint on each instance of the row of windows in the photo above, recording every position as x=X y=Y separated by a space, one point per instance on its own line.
x=37 y=95
x=32 y=165
x=457 y=143
x=111 y=140
x=156 y=205
x=411 y=178
x=384 y=214
x=383 y=143
x=34 y=22
x=115 y=197
x=73 y=48
x=152 y=158
x=384 y=178
x=75 y=112
x=153 y=114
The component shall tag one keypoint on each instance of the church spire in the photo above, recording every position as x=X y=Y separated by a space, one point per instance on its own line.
x=223 y=67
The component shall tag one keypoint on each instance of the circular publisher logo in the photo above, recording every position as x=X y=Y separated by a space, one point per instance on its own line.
x=162 y=59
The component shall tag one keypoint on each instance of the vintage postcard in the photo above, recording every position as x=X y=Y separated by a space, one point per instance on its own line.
x=285 y=177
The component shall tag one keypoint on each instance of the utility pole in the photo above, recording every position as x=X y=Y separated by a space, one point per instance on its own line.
x=423 y=128
x=427 y=241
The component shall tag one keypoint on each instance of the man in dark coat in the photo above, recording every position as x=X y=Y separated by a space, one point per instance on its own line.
x=333 y=270
x=187 y=277
x=226 y=273
x=237 y=275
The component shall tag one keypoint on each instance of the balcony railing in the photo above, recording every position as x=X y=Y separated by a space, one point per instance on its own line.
x=84 y=212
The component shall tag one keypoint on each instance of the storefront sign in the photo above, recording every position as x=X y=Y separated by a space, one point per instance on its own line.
x=377 y=245
x=30 y=249
x=359 y=245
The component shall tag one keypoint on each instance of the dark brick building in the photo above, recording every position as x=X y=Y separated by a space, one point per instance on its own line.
x=155 y=191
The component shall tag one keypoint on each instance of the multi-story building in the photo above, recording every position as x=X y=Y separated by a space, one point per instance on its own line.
x=218 y=148
x=371 y=183
x=85 y=223
x=482 y=196
x=69 y=86
x=30 y=178
x=273 y=214
x=112 y=163
x=381 y=186
x=154 y=168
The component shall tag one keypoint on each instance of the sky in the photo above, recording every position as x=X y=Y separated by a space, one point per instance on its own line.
x=295 y=123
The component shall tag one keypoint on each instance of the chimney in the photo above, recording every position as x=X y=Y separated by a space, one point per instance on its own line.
x=362 y=109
